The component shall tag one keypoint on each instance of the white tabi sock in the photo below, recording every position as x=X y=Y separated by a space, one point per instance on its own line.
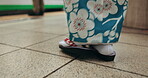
x=105 y=49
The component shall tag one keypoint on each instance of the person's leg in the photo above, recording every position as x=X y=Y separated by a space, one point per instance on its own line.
x=95 y=22
x=38 y=8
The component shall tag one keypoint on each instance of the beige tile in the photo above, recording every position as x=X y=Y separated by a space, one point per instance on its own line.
x=53 y=29
x=129 y=57
x=22 y=25
x=79 y=69
x=53 y=24
x=29 y=64
x=21 y=16
x=132 y=30
x=5 y=31
x=138 y=39
x=50 y=24
x=23 y=39
x=50 y=46
x=53 y=19
x=5 y=49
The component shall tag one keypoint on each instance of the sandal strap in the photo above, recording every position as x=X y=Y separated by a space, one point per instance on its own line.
x=70 y=43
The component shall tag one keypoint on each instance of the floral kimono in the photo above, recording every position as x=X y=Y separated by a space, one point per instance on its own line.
x=95 y=21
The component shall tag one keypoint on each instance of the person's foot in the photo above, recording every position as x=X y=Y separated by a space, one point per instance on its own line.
x=66 y=43
x=105 y=49
x=105 y=52
x=71 y=47
x=102 y=49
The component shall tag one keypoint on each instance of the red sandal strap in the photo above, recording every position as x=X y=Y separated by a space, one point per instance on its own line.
x=70 y=43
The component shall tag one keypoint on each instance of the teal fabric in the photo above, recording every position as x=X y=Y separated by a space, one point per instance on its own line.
x=95 y=21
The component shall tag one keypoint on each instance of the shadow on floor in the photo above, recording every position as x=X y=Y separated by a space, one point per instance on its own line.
x=83 y=55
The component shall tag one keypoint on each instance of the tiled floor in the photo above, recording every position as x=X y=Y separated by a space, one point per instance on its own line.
x=29 y=49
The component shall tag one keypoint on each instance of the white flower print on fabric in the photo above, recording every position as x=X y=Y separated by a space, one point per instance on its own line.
x=96 y=7
x=124 y=13
x=95 y=39
x=68 y=5
x=109 y=7
x=102 y=8
x=111 y=34
x=121 y=2
x=125 y=9
x=80 y=25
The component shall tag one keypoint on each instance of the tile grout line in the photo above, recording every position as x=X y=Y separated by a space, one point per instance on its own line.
x=41 y=42
x=75 y=58
x=132 y=44
x=84 y=61
x=135 y=33
x=42 y=32
x=134 y=28
x=46 y=53
x=34 y=51
x=11 y=45
x=59 y=67
x=67 y=57
x=32 y=31
x=117 y=69
x=10 y=52
x=95 y=64
x=31 y=44
x=25 y=30
x=26 y=46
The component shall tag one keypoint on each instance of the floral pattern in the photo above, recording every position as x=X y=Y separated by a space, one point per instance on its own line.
x=80 y=24
x=111 y=35
x=102 y=8
x=69 y=4
x=95 y=21
x=96 y=39
x=121 y=2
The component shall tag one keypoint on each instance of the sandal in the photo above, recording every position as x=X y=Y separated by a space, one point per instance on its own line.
x=104 y=57
x=70 y=46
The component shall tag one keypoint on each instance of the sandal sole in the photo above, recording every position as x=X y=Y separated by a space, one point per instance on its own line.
x=78 y=49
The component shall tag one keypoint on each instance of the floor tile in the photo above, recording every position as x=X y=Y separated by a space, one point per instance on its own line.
x=138 y=39
x=24 y=16
x=5 y=31
x=29 y=64
x=130 y=62
x=129 y=57
x=23 y=39
x=52 y=24
x=79 y=69
x=134 y=31
x=49 y=24
x=5 y=49
x=50 y=46
x=12 y=17
x=22 y=25
x=56 y=28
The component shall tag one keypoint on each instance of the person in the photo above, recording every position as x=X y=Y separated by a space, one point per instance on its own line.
x=96 y=23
